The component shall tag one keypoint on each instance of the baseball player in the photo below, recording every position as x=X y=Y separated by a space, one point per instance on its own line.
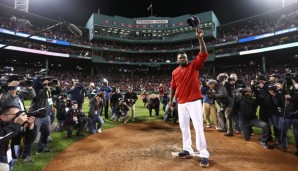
x=186 y=87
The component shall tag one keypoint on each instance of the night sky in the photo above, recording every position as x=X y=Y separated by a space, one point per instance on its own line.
x=79 y=11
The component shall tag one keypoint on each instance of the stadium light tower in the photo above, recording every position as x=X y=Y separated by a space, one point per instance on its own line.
x=21 y=5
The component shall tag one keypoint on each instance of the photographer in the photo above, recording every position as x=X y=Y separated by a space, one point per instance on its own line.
x=115 y=98
x=130 y=98
x=171 y=112
x=153 y=103
x=43 y=100
x=62 y=105
x=209 y=104
x=232 y=85
x=226 y=105
x=247 y=108
x=56 y=91
x=267 y=112
x=121 y=110
x=107 y=90
x=77 y=93
x=11 y=121
x=165 y=100
x=15 y=96
x=286 y=98
x=145 y=98
x=74 y=119
x=91 y=91
x=95 y=106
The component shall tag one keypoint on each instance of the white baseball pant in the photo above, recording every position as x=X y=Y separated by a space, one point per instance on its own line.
x=192 y=110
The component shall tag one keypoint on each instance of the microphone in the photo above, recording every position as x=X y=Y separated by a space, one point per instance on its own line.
x=75 y=30
x=71 y=27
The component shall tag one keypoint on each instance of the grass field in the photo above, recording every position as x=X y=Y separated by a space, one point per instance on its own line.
x=60 y=142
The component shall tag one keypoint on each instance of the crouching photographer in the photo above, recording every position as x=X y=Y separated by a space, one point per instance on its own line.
x=247 y=108
x=96 y=104
x=153 y=103
x=62 y=105
x=171 y=112
x=121 y=111
x=74 y=119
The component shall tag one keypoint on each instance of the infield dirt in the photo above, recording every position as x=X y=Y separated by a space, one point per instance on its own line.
x=148 y=147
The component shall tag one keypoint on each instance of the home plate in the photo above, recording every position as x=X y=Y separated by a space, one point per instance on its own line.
x=196 y=154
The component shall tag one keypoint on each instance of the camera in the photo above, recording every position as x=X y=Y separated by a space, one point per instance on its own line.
x=289 y=77
x=272 y=87
x=80 y=115
x=238 y=93
x=37 y=80
x=222 y=107
x=33 y=113
x=5 y=79
x=62 y=96
x=255 y=87
x=130 y=102
x=210 y=92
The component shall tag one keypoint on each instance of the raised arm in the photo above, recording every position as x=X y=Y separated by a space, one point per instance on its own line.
x=202 y=44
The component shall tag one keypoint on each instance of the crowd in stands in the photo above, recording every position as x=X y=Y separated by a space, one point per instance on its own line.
x=47 y=47
x=290 y=20
x=258 y=44
x=125 y=57
x=58 y=33
x=162 y=34
x=145 y=47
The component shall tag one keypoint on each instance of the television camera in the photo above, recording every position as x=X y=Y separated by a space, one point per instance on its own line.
x=35 y=81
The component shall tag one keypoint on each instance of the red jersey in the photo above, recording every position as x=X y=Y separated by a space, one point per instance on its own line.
x=186 y=80
x=160 y=89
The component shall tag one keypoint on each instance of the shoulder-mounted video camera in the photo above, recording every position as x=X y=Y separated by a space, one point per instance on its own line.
x=5 y=79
